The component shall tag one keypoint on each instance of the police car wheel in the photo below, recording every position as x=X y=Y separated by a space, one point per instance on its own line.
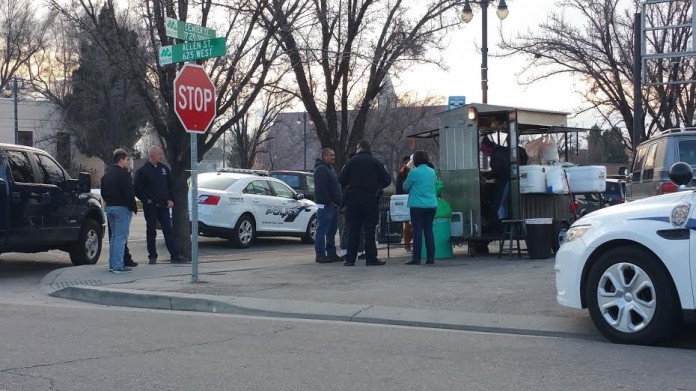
x=631 y=297
x=311 y=232
x=244 y=232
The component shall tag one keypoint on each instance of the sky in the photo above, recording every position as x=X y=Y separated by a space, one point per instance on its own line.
x=463 y=60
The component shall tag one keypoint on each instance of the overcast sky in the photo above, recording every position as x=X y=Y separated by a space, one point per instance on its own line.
x=463 y=59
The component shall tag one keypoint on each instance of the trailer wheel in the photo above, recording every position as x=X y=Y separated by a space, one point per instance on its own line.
x=559 y=230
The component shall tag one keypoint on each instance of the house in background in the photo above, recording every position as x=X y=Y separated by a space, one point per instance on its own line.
x=40 y=125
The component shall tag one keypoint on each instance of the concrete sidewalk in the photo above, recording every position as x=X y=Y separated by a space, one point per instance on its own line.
x=478 y=294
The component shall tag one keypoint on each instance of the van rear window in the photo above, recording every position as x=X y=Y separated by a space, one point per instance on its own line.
x=687 y=151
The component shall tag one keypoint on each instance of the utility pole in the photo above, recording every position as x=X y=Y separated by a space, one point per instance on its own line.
x=637 y=81
x=16 y=116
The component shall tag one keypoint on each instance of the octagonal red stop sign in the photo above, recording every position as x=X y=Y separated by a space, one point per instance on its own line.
x=194 y=98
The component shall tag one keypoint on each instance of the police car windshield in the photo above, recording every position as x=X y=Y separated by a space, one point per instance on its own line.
x=687 y=151
x=216 y=182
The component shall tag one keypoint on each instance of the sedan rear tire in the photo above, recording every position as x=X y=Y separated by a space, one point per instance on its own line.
x=244 y=232
x=311 y=232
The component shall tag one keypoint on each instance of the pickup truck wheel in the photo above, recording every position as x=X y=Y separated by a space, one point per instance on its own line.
x=88 y=247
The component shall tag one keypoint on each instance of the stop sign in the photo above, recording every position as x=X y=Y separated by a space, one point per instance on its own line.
x=194 y=98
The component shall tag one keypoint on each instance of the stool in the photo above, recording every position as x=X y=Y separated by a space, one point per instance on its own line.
x=513 y=230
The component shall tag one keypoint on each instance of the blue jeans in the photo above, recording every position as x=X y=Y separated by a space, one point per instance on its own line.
x=422 y=225
x=119 y=218
x=327 y=224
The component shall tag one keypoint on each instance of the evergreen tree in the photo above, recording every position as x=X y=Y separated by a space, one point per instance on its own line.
x=104 y=109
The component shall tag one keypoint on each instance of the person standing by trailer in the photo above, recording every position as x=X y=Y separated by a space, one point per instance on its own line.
x=365 y=178
x=500 y=169
x=422 y=201
x=154 y=187
x=400 y=179
x=329 y=198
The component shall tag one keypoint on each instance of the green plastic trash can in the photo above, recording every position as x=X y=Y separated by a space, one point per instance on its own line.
x=441 y=234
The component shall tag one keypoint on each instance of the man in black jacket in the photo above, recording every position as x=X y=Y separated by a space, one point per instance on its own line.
x=154 y=186
x=329 y=198
x=365 y=177
x=119 y=196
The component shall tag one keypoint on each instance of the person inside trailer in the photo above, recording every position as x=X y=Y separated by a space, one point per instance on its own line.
x=500 y=171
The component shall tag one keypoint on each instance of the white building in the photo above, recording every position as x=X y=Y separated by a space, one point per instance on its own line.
x=40 y=125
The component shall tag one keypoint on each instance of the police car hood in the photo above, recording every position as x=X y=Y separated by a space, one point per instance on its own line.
x=653 y=208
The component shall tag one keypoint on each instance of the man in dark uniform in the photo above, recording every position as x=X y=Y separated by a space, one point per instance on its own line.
x=154 y=186
x=364 y=176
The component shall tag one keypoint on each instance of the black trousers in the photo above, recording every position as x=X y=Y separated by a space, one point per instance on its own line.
x=362 y=214
x=154 y=214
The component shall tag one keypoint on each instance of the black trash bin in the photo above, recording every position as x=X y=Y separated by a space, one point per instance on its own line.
x=539 y=235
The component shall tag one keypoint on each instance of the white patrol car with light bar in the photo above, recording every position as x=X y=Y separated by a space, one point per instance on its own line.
x=633 y=265
x=241 y=205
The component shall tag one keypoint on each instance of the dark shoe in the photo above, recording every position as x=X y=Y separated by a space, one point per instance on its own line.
x=322 y=259
x=349 y=263
x=153 y=260
x=375 y=262
x=430 y=262
x=334 y=258
x=180 y=260
x=413 y=262
x=362 y=256
x=130 y=263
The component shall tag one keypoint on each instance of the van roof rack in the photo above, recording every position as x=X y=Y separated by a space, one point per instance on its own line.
x=243 y=171
x=678 y=130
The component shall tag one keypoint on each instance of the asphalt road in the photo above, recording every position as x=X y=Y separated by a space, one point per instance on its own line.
x=47 y=348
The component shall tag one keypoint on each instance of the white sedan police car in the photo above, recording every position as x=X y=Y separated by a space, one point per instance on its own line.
x=242 y=206
x=633 y=266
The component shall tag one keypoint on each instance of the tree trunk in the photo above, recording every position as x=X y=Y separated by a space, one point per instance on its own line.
x=179 y=156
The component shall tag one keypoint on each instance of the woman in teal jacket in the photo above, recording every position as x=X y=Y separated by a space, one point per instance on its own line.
x=420 y=185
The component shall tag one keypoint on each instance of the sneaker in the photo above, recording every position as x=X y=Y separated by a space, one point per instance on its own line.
x=349 y=263
x=152 y=260
x=375 y=262
x=322 y=259
x=130 y=263
x=121 y=270
x=180 y=259
x=362 y=256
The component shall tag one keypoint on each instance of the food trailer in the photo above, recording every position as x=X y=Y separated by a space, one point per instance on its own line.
x=468 y=189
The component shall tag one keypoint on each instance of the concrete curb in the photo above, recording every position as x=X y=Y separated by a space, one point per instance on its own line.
x=297 y=309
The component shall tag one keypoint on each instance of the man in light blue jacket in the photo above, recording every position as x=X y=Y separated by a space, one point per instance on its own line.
x=420 y=185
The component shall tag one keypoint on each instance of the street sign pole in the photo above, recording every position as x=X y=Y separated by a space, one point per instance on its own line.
x=194 y=207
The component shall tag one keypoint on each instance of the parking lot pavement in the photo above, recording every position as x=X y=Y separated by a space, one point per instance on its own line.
x=282 y=279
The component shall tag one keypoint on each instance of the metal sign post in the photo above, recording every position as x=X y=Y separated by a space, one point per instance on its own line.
x=194 y=207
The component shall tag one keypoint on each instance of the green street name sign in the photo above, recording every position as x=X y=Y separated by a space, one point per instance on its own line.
x=192 y=51
x=187 y=31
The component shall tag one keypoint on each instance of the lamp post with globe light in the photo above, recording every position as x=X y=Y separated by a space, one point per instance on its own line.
x=466 y=16
x=14 y=92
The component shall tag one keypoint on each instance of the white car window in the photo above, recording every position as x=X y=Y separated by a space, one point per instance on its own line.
x=282 y=190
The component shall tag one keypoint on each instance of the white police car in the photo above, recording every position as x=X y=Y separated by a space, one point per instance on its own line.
x=242 y=205
x=633 y=266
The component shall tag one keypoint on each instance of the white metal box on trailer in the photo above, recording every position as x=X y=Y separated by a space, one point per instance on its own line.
x=556 y=180
x=457 y=224
x=587 y=179
x=532 y=179
x=398 y=208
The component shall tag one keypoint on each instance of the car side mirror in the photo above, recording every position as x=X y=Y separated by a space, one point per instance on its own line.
x=299 y=196
x=623 y=171
x=84 y=182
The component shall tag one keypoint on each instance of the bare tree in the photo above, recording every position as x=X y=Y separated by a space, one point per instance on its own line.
x=239 y=76
x=597 y=48
x=342 y=50
x=22 y=34
x=249 y=133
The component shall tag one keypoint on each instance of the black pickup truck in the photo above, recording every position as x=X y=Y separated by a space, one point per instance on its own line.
x=42 y=208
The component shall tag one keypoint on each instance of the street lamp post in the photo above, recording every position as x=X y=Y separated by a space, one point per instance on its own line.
x=304 y=137
x=15 y=97
x=466 y=16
